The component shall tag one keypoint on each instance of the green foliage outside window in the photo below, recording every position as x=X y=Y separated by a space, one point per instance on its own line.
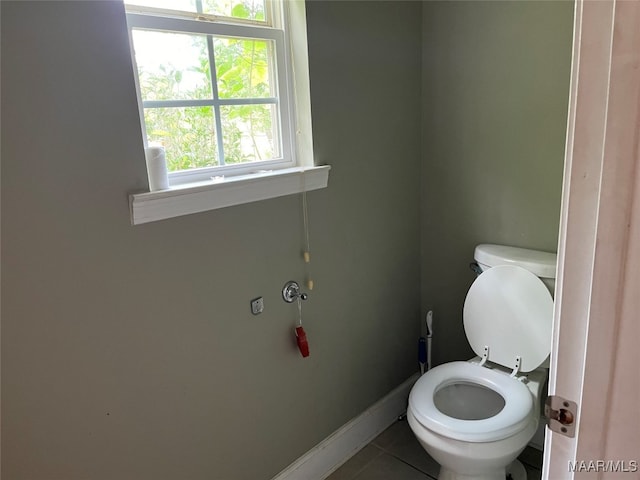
x=243 y=71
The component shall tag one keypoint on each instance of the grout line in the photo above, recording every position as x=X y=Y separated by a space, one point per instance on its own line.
x=412 y=466
x=389 y=452
x=358 y=472
x=396 y=424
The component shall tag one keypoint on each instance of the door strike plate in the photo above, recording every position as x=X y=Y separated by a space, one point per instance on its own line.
x=561 y=415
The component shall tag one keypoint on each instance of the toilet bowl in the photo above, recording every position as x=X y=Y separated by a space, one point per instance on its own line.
x=475 y=417
x=474 y=420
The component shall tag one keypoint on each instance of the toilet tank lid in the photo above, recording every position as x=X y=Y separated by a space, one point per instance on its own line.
x=541 y=264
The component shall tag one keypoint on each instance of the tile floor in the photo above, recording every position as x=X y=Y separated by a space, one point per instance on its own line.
x=395 y=454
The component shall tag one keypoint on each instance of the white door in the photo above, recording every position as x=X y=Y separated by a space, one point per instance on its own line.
x=595 y=356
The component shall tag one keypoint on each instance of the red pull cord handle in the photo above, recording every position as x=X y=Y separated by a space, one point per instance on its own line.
x=303 y=344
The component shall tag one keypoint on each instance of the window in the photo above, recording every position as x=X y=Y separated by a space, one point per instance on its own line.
x=215 y=81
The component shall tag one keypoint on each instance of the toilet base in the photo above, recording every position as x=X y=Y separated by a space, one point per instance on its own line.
x=446 y=474
x=474 y=461
x=514 y=471
x=517 y=471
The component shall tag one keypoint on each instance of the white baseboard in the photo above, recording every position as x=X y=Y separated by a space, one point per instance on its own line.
x=323 y=459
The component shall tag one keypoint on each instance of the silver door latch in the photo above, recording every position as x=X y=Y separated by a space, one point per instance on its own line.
x=561 y=415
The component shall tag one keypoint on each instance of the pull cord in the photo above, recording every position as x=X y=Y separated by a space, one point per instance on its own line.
x=305 y=218
x=299 y=312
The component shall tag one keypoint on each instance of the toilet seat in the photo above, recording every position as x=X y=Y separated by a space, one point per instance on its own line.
x=514 y=416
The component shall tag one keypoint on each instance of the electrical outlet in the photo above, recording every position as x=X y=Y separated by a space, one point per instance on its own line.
x=257 y=305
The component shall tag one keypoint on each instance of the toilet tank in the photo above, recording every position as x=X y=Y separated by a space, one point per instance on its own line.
x=541 y=264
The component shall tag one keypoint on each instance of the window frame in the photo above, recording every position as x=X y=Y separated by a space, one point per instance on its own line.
x=221 y=192
x=272 y=29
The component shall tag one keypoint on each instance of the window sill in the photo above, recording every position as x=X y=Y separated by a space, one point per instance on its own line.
x=203 y=196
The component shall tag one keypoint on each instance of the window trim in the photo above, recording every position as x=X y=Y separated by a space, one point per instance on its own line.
x=204 y=196
x=210 y=17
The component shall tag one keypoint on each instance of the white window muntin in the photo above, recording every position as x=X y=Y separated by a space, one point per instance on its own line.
x=281 y=73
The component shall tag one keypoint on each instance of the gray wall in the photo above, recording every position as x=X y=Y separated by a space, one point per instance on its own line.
x=495 y=98
x=130 y=352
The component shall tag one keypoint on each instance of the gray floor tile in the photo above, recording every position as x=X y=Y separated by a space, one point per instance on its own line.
x=405 y=446
x=356 y=464
x=533 y=473
x=385 y=467
x=532 y=457
x=390 y=435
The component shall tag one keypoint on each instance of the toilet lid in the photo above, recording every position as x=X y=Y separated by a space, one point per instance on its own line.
x=509 y=310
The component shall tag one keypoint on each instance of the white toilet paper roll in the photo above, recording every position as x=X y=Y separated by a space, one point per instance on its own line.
x=156 y=168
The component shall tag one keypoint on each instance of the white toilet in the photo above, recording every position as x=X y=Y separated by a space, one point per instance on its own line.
x=475 y=417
